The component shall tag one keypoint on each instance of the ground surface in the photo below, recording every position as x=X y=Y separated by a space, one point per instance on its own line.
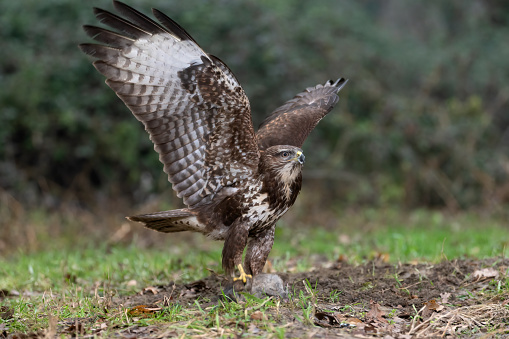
x=373 y=299
x=466 y=298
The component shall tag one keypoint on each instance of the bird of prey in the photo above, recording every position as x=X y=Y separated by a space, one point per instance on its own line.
x=235 y=183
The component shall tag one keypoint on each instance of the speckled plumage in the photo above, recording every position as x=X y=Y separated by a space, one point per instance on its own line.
x=236 y=184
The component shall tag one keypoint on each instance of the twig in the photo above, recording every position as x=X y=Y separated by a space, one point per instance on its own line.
x=446 y=327
x=414 y=320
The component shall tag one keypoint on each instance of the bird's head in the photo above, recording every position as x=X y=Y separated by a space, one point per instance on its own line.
x=284 y=161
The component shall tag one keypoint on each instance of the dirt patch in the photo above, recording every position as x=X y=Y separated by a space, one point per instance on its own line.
x=450 y=298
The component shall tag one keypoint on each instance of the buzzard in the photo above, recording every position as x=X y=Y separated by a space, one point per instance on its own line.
x=235 y=183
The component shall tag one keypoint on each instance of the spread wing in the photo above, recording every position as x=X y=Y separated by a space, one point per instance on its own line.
x=194 y=109
x=291 y=123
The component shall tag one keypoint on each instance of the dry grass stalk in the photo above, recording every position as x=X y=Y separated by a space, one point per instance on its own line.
x=463 y=318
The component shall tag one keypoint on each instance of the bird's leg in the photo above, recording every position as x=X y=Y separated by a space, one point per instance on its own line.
x=243 y=274
x=234 y=245
x=258 y=249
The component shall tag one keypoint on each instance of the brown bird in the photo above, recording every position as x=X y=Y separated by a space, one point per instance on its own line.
x=236 y=184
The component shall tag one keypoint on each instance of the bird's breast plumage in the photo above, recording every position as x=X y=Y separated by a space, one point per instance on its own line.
x=262 y=213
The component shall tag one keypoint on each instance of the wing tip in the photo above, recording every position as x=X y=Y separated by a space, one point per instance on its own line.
x=135 y=218
x=88 y=48
x=339 y=84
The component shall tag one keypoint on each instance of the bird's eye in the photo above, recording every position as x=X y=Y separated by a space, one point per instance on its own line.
x=285 y=154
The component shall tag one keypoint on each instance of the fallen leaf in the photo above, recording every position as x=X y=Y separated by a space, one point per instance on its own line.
x=257 y=316
x=132 y=283
x=369 y=329
x=348 y=321
x=430 y=307
x=485 y=273
x=149 y=289
x=445 y=297
x=354 y=321
x=383 y=257
x=142 y=311
x=375 y=313
x=433 y=305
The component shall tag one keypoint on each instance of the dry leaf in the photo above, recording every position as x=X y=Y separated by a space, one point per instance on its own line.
x=258 y=316
x=430 y=307
x=485 y=273
x=348 y=321
x=132 y=283
x=369 y=329
x=149 y=289
x=383 y=257
x=142 y=311
x=375 y=313
x=354 y=322
x=445 y=297
x=434 y=306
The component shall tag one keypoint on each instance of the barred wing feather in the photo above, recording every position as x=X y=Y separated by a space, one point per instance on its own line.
x=194 y=109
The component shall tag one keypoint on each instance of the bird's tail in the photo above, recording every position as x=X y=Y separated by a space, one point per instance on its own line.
x=170 y=221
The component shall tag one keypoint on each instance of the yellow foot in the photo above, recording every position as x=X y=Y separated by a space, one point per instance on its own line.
x=243 y=274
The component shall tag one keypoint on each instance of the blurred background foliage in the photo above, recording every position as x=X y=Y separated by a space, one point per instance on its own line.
x=423 y=122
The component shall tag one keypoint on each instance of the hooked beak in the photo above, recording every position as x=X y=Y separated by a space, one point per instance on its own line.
x=300 y=157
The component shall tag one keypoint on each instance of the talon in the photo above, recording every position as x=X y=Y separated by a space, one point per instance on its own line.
x=243 y=274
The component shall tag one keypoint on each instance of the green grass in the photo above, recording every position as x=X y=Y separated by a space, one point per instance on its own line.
x=419 y=236
x=116 y=265
x=76 y=282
